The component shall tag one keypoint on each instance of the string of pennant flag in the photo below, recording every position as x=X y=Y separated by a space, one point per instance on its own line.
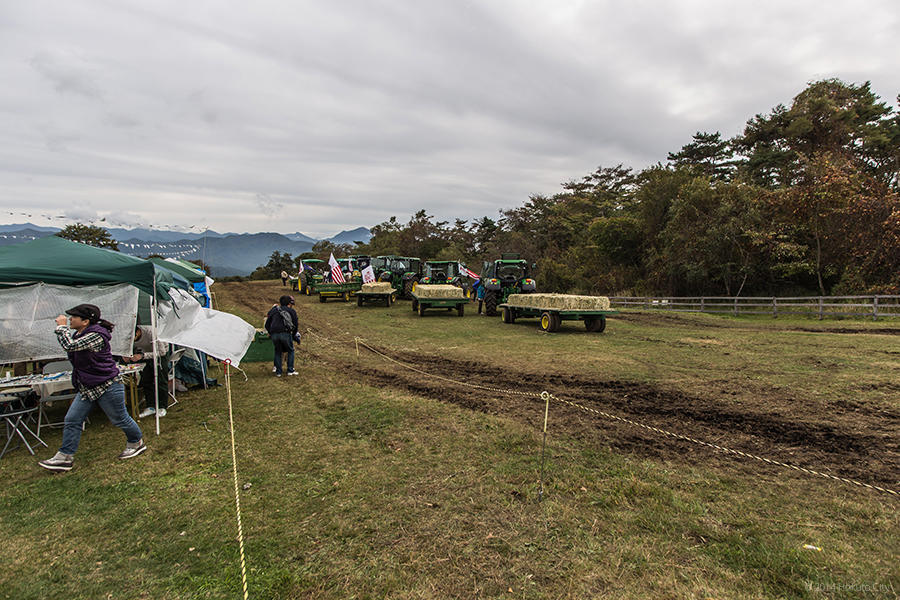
x=102 y=221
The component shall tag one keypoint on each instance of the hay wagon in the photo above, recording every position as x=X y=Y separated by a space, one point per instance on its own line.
x=342 y=291
x=371 y=293
x=553 y=309
x=425 y=297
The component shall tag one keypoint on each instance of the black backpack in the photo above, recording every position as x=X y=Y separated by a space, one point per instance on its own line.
x=286 y=319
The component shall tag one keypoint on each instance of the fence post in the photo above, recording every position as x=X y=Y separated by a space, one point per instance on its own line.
x=702 y=304
x=820 y=308
x=875 y=309
x=774 y=307
x=735 y=306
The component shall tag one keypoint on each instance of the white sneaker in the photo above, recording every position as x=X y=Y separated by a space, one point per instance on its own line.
x=293 y=373
x=132 y=450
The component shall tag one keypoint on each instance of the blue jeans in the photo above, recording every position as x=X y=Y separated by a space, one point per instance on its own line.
x=113 y=404
x=283 y=340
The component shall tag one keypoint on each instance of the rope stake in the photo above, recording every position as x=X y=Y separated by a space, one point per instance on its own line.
x=237 y=494
x=546 y=396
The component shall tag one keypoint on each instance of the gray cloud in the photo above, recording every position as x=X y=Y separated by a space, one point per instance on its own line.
x=340 y=114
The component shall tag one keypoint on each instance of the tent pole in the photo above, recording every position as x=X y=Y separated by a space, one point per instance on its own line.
x=153 y=324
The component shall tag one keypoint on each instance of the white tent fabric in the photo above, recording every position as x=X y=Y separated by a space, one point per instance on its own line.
x=219 y=334
x=28 y=313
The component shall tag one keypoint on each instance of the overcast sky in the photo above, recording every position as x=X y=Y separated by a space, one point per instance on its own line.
x=295 y=115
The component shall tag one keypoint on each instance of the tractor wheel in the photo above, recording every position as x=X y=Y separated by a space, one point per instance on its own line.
x=359 y=301
x=549 y=322
x=415 y=305
x=507 y=315
x=301 y=284
x=321 y=298
x=408 y=288
x=345 y=296
x=412 y=289
x=421 y=310
x=490 y=303
x=461 y=310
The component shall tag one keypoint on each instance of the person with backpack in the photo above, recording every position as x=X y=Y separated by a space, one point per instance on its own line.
x=281 y=323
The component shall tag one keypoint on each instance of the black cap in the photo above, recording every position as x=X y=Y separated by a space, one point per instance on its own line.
x=85 y=311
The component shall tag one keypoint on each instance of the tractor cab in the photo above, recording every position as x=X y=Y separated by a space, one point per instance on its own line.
x=361 y=261
x=508 y=275
x=441 y=272
x=350 y=269
x=402 y=271
x=313 y=272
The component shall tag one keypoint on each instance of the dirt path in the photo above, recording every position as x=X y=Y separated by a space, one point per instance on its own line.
x=847 y=441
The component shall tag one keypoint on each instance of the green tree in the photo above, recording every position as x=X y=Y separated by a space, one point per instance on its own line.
x=711 y=243
x=278 y=262
x=829 y=116
x=708 y=154
x=90 y=235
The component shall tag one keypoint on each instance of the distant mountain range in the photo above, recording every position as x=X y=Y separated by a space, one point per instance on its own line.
x=225 y=253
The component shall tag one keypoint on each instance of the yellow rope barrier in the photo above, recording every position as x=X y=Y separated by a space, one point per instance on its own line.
x=237 y=494
x=607 y=415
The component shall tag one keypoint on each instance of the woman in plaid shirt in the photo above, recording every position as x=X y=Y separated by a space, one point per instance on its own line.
x=95 y=376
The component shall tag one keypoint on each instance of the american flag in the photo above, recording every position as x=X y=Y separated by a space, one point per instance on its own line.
x=467 y=272
x=336 y=275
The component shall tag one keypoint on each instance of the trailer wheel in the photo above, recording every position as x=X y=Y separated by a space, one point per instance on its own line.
x=321 y=298
x=549 y=322
x=597 y=324
x=307 y=290
x=387 y=300
x=507 y=315
x=461 y=310
x=421 y=310
x=359 y=301
x=415 y=305
x=345 y=296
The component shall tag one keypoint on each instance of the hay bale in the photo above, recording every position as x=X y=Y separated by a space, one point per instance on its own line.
x=438 y=291
x=377 y=287
x=560 y=301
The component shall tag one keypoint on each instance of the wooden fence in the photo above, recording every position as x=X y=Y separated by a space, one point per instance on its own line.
x=875 y=307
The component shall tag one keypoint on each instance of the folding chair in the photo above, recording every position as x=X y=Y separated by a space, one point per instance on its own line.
x=13 y=417
x=50 y=368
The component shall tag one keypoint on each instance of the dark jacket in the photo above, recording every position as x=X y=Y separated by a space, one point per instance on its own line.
x=91 y=369
x=275 y=324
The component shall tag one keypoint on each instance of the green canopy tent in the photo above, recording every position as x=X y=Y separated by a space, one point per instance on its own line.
x=191 y=275
x=56 y=260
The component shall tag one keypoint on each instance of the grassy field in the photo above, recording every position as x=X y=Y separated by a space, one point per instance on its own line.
x=365 y=479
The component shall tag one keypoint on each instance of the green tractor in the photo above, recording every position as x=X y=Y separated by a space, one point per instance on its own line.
x=402 y=271
x=445 y=272
x=500 y=278
x=313 y=273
